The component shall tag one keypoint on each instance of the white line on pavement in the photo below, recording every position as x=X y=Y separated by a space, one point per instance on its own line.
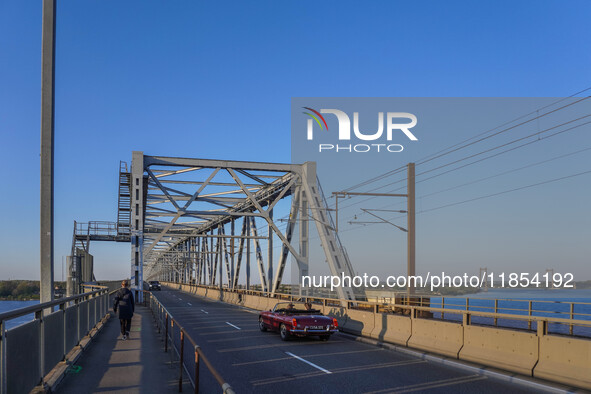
x=230 y=324
x=189 y=304
x=308 y=362
x=204 y=311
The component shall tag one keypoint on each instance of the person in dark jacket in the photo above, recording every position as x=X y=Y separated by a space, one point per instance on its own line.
x=124 y=302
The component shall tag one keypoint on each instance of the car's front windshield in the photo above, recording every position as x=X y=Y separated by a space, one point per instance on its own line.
x=293 y=307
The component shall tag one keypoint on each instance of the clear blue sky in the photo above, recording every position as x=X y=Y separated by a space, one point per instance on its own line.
x=215 y=80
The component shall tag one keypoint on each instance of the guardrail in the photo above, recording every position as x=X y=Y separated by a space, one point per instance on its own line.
x=451 y=308
x=165 y=320
x=552 y=348
x=574 y=310
x=30 y=351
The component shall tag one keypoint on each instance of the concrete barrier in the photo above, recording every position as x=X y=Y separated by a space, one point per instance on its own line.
x=338 y=312
x=251 y=301
x=437 y=337
x=565 y=360
x=506 y=349
x=392 y=328
x=359 y=322
x=214 y=294
x=230 y=297
x=267 y=303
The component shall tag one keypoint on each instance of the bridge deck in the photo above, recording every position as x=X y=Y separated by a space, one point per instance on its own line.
x=256 y=362
x=137 y=365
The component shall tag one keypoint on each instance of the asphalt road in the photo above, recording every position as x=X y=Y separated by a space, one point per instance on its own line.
x=259 y=362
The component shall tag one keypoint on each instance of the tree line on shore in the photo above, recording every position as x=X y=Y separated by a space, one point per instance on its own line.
x=23 y=289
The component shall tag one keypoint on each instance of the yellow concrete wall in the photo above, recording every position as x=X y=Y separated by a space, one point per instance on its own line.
x=437 y=336
x=504 y=348
x=213 y=294
x=359 y=322
x=251 y=301
x=267 y=303
x=392 y=328
x=565 y=360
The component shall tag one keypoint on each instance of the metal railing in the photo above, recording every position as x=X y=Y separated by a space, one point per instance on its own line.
x=31 y=350
x=96 y=228
x=165 y=320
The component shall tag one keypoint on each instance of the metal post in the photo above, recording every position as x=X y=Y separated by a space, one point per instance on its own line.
x=65 y=349
x=247 y=240
x=181 y=361
x=442 y=307
x=496 y=309
x=196 y=369
x=232 y=259
x=3 y=386
x=220 y=257
x=529 y=314
x=270 y=254
x=137 y=221
x=304 y=250
x=411 y=225
x=336 y=213
x=39 y=316
x=166 y=335
x=572 y=316
x=77 y=305
x=47 y=148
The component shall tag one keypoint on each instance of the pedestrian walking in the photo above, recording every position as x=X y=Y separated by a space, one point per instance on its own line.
x=124 y=302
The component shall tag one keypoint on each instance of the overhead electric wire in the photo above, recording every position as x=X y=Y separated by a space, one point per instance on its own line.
x=478 y=154
x=509 y=122
x=507 y=191
x=485 y=196
x=504 y=130
x=446 y=151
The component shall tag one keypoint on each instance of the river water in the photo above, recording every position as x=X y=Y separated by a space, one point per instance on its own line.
x=545 y=303
x=6 y=306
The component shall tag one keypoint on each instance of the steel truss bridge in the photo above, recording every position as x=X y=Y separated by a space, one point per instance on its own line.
x=195 y=220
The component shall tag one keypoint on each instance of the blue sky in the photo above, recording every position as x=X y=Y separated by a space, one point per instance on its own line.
x=215 y=80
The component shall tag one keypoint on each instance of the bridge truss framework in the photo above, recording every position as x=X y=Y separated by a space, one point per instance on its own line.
x=194 y=220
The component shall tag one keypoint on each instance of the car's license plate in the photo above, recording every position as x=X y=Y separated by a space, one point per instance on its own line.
x=316 y=327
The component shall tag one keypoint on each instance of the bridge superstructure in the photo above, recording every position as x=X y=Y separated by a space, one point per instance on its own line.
x=196 y=220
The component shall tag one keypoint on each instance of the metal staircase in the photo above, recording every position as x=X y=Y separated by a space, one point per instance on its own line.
x=124 y=201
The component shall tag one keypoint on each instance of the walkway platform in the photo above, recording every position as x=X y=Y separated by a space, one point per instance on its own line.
x=136 y=365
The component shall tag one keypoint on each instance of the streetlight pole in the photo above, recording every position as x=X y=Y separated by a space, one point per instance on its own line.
x=411 y=248
x=47 y=148
x=410 y=214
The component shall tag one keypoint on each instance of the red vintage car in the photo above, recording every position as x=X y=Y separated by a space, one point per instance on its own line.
x=297 y=319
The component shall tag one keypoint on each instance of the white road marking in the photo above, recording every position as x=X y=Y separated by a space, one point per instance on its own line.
x=230 y=324
x=204 y=311
x=189 y=304
x=308 y=362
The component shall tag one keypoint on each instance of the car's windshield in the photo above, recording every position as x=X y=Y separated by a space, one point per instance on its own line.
x=154 y=282
x=294 y=307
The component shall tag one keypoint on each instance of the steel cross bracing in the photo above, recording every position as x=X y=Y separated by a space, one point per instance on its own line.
x=196 y=220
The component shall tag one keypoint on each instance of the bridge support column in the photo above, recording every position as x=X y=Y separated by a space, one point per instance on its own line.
x=47 y=149
x=137 y=222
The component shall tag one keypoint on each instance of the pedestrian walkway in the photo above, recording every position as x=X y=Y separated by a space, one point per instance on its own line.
x=136 y=365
